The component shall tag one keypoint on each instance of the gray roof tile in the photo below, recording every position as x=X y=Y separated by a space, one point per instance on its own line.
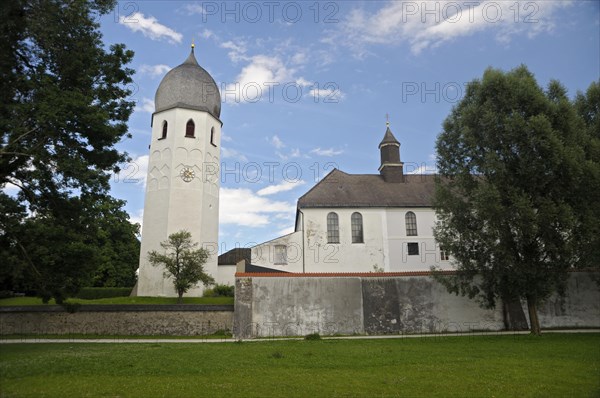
x=339 y=189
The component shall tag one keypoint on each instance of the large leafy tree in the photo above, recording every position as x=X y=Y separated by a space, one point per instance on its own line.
x=64 y=99
x=183 y=262
x=588 y=108
x=56 y=256
x=517 y=199
x=64 y=108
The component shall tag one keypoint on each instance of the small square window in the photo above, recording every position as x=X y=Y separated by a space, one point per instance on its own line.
x=413 y=248
x=444 y=256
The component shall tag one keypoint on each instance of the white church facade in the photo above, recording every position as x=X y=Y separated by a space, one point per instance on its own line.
x=345 y=223
x=361 y=223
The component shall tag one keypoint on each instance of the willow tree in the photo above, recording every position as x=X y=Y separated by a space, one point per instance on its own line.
x=514 y=164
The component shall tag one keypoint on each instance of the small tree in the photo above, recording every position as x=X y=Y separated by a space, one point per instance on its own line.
x=182 y=261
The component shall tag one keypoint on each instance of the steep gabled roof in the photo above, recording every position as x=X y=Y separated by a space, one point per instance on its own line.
x=339 y=189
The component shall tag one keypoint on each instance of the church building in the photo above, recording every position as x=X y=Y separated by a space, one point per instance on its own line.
x=360 y=223
x=345 y=223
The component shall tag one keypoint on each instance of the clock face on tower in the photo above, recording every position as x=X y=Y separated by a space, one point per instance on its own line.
x=187 y=174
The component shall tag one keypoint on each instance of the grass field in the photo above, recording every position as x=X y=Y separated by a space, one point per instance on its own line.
x=120 y=300
x=554 y=365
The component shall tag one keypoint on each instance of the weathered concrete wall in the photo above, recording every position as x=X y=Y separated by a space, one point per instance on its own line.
x=579 y=308
x=299 y=305
x=421 y=305
x=177 y=320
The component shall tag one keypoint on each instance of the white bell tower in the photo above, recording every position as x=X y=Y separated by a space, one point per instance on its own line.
x=182 y=189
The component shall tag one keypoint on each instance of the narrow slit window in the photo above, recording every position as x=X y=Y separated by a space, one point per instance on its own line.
x=165 y=127
x=212 y=136
x=333 y=228
x=411 y=224
x=357 y=228
x=190 y=128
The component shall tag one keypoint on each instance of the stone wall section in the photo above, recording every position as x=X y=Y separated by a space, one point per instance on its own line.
x=121 y=320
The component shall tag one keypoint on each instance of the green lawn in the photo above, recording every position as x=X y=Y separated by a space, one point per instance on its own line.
x=121 y=300
x=554 y=365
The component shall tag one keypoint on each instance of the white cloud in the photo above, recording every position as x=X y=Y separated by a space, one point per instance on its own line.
x=147 y=105
x=150 y=27
x=195 y=9
x=299 y=58
x=136 y=171
x=294 y=153
x=226 y=138
x=282 y=187
x=423 y=168
x=327 y=95
x=138 y=217
x=227 y=153
x=242 y=207
x=154 y=70
x=207 y=34
x=261 y=77
x=238 y=50
x=276 y=142
x=426 y=25
x=303 y=82
x=327 y=152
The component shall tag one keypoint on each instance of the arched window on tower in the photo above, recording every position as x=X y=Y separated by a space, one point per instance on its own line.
x=165 y=127
x=357 y=228
x=189 y=129
x=411 y=224
x=333 y=228
x=212 y=136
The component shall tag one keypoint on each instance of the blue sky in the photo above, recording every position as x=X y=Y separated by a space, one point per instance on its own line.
x=328 y=73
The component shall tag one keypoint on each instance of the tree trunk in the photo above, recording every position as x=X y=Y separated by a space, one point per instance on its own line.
x=514 y=316
x=180 y=298
x=533 y=316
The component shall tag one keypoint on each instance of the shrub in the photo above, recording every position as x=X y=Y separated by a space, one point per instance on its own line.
x=92 y=293
x=312 y=336
x=220 y=291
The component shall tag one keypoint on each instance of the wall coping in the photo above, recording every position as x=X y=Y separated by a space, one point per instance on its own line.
x=120 y=308
x=357 y=274
x=336 y=274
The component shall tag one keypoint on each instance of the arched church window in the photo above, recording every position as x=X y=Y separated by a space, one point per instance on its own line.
x=333 y=228
x=165 y=127
x=190 y=129
x=357 y=228
x=411 y=224
x=212 y=136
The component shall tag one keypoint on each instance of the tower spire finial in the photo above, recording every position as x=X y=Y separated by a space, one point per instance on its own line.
x=387 y=120
x=193 y=44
